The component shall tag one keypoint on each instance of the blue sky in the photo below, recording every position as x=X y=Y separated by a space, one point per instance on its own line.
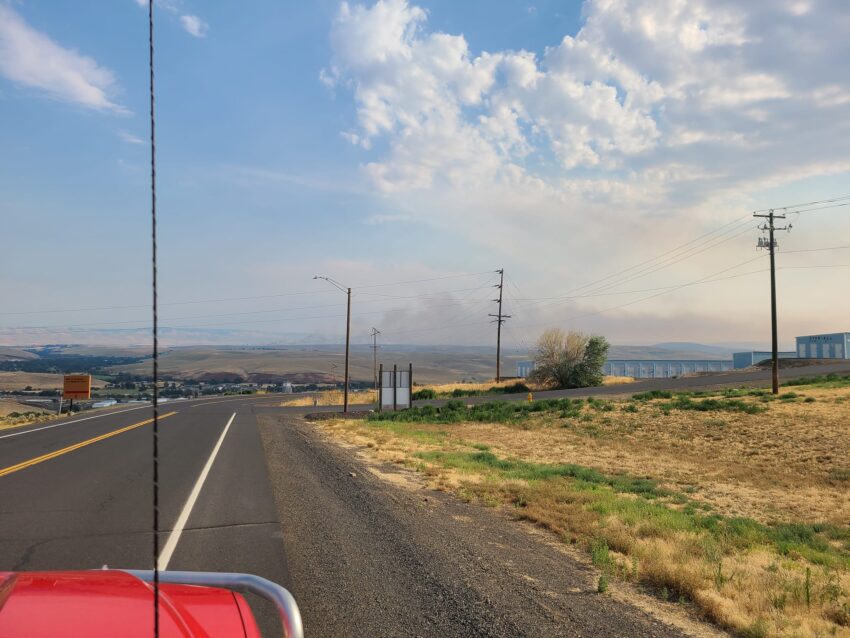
x=391 y=141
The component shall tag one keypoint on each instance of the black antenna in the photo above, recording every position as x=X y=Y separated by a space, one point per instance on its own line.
x=155 y=343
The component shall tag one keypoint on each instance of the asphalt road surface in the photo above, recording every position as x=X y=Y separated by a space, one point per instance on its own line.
x=361 y=557
x=77 y=493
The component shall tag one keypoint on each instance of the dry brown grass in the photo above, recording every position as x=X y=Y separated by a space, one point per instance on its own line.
x=790 y=464
x=12 y=381
x=14 y=414
x=332 y=397
x=612 y=380
x=447 y=388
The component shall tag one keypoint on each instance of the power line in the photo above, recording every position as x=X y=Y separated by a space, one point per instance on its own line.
x=814 y=250
x=360 y=314
x=649 y=262
x=226 y=299
x=671 y=260
x=701 y=280
x=815 y=203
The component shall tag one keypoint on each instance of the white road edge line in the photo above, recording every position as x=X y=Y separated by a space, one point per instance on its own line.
x=56 y=425
x=174 y=537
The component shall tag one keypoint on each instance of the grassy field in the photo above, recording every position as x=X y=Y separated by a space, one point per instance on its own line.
x=733 y=503
x=304 y=364
x=14 y=414
x=11 y=381
x=457 y=390
x=332 y=397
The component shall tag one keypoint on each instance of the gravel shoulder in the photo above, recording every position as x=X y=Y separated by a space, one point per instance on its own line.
x=370 y=556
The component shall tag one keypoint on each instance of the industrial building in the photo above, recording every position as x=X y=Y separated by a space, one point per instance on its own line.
x=747 y=359
x=662 y=368
x=524 y=368
x=647 y=368
x=826 y=346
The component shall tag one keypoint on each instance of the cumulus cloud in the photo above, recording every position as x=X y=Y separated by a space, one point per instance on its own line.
x=666 y=110
x=194 y=25
x=645 y=83
x=31 y=59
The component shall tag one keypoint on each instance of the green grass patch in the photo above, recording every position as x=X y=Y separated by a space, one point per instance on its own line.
x=684 y=402
x=640 y=504
x=821 y=381
x=652 y=394
x=492 y=412
x=459 y=393
x=488 y=463
x=409 y=431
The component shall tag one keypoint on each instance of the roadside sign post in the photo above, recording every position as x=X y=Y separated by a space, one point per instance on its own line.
x=395 y=389
x=75 y=386
x=381 y=388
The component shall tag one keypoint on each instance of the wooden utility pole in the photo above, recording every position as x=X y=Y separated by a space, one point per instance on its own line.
x=347 y=345
x=770 y=244
x=375 y=333
x=499 y=320
x=347 y=291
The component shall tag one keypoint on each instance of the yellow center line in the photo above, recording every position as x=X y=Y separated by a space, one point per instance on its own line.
x=76 y=446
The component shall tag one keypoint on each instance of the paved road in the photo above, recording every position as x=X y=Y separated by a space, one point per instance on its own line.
x=76 y=494
x=89 y=505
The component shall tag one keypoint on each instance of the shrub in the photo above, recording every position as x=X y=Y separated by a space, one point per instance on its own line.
x=569 y=359
x=424 y=393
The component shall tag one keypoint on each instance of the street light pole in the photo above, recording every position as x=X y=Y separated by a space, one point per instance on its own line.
x=347 y=291
x=347 y=342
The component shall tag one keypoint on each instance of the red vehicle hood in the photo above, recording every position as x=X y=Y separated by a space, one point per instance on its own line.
x=109 y=603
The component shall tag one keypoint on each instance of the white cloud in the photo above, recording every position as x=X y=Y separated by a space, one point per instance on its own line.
x=386 y=218
x=194 y=25
x=129 y=138
x=31 y=59
x=656 y=110
x=641 y=78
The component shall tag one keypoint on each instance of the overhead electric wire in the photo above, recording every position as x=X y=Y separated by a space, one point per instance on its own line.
x=814 y=250
x=816 y=209
x=649 y=267
x=635 y=301
x=649 y=262
x=416 y=281
x=459 y=302
x=226 y=299
x=815 y=203
x=550 y=301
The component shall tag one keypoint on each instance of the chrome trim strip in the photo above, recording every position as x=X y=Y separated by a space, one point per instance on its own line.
x=290 y=616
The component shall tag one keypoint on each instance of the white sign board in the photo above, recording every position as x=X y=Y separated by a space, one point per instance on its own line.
x=395 y=389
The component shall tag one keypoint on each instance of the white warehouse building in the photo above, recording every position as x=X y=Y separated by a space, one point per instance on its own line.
x=826 y=346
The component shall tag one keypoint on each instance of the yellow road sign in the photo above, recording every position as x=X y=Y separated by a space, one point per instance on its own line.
x=76 y=386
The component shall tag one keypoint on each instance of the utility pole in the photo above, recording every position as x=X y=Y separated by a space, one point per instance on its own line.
x=347 y=345
x=375 y=333
x=347 y=291
x=770 y=244
x=499 y=320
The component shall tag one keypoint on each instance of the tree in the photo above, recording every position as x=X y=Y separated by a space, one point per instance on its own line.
x=569 y=359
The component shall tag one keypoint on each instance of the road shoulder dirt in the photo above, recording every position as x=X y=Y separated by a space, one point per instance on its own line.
x=372 y=552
